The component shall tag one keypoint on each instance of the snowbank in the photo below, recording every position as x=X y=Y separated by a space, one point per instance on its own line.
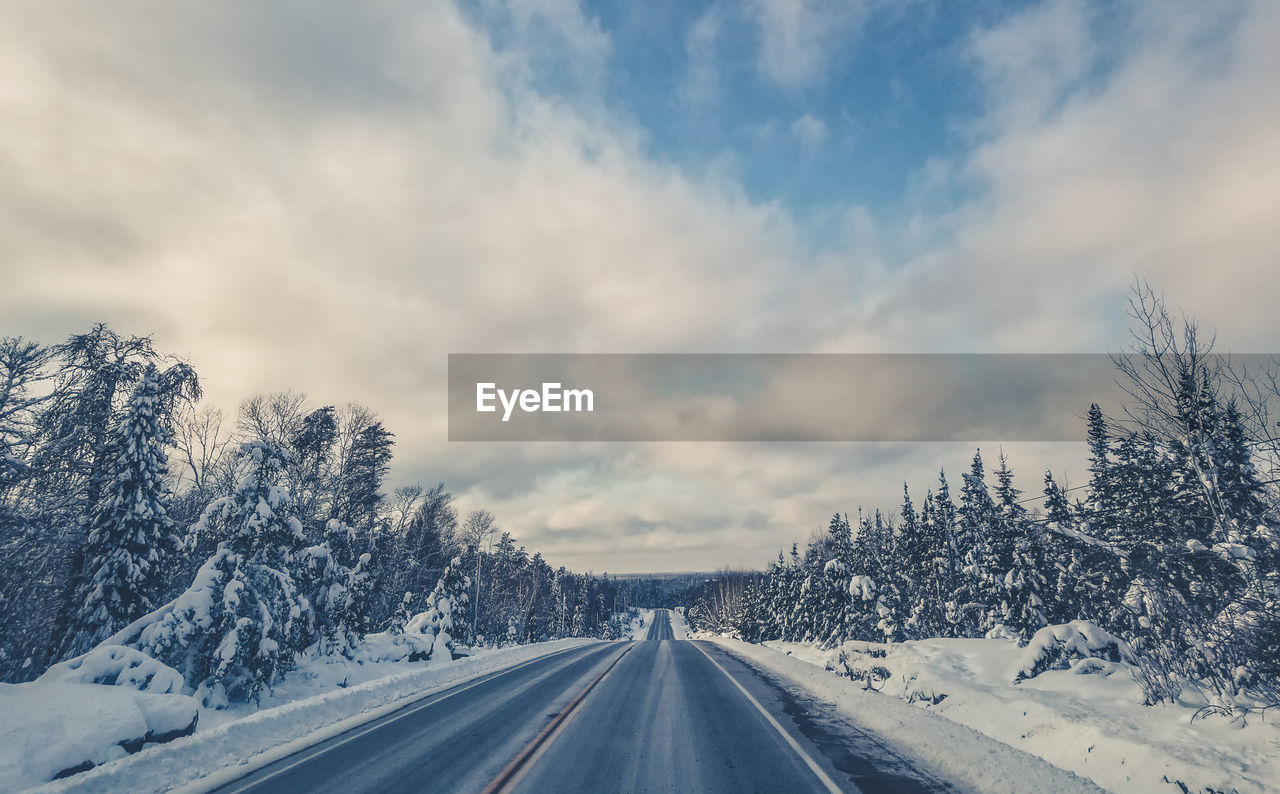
x=638 y=627
x=1087 y=718
x=54 y=725
x=679 y=628
x=958 y=754
x=246 y=740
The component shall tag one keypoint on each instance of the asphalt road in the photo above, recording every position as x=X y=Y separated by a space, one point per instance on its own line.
x=658 y=715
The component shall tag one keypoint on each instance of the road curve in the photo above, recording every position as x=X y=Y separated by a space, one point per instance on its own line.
x=659 y=715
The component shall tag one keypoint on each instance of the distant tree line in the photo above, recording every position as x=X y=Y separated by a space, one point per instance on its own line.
x=234 y=548
x=1172 y=544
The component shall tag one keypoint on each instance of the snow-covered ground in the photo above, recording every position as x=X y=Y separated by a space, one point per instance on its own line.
x=679 y=628
x=1091 y=724
x=51 y=725
x=638 y=627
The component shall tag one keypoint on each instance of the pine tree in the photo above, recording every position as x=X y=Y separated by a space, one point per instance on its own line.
x=977 y=517
x=336 y=581
x=444 y=612
x=360 y=488
x=926 y=558
x=1101 y=495
x=954 y=586
x=243 y=621
x=130 y=532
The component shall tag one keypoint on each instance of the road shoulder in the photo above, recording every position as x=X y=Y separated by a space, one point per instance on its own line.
x=952 y=752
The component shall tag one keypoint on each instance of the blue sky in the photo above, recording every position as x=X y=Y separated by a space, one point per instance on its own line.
x=882 y=91
x=332 y=197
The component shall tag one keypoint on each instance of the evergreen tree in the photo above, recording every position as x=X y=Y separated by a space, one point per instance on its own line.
x=359 y=492
x=444 y=612
x=1101 y=495
x=977 y=517
x=336 y=581
x=243 y=621
x=130 y=533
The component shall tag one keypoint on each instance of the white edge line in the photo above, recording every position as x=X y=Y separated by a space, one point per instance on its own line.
x=808 y=759
x=230 y=774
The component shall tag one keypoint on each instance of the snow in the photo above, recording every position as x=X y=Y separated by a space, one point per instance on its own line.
x=1088 y=718
x=679 y=629
x=862 y=587
x=638 y=627
x=1055 y=648
x=965 y=757
x=119 y=666
x=310 y=704
x=55 y=724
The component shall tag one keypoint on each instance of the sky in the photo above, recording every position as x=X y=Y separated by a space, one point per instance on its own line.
x=332 y=197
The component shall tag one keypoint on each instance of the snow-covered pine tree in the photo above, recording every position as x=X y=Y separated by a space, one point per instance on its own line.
x=924 y=557
x=977 y=517
x=130 y=532
x=243 y=621
x=830 y=591
x=444 y=612
x=336 y=582
x=1018 y=560
x=1073 y=579
x=960 y=609
x=578 y=628
x=558 y=605
x=1102 y=498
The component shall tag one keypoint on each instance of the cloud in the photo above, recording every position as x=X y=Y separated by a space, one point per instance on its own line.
x=809 y=129
x=333 y=201
x=701 y=84
x=550 y=36
x=1163 y=164
x=799 y=39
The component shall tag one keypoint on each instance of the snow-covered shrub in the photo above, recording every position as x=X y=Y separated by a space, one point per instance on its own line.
x=117 y=665
x=1002 y=632
x=1055 y=647
x=856 y=660
x=436 y=621
x=424 y=635
x=54 y=727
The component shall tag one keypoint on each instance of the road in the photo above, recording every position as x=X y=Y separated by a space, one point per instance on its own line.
x=659 y=715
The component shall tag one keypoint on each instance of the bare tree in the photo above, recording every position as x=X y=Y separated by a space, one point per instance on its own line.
x=477 y=534
x=404 y=500
x=272 y=417
x=201 y=445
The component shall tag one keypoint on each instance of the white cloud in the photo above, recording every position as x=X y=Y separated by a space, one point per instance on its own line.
x=810 y=129
x=800 y=39
x=548 y=33
x=701 y=83
x=1165 y=165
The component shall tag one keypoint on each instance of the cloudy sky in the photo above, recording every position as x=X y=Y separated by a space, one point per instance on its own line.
x=332 y=197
